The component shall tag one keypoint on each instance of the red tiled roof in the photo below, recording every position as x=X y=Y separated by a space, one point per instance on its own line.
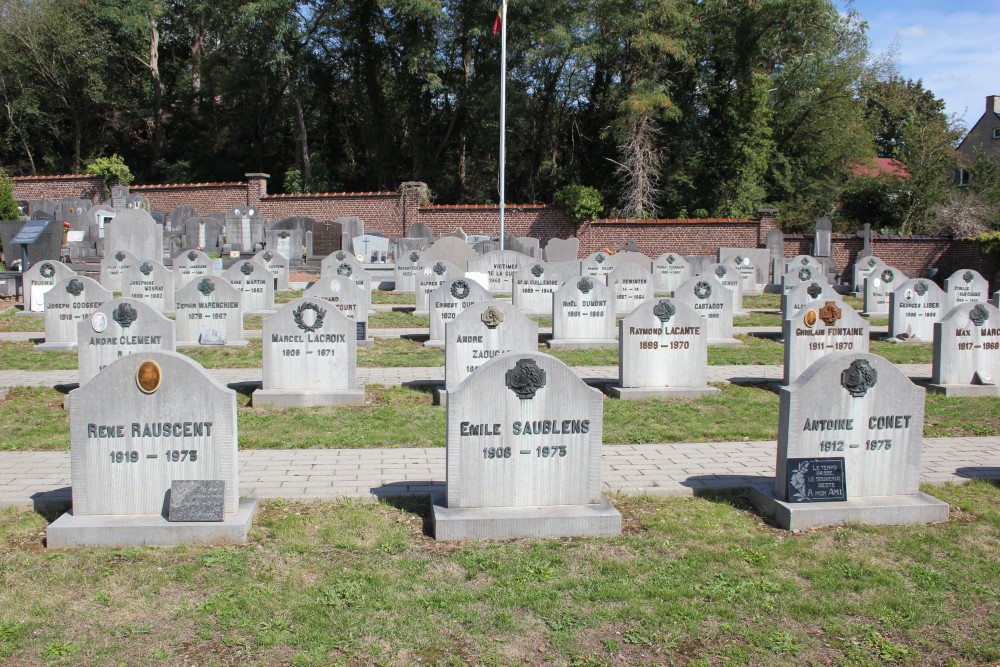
x=54 y=177
x=306 y=195
x=881 y=166
x=166 y=186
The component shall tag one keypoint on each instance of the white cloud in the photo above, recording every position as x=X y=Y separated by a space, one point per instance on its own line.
x=913 y=31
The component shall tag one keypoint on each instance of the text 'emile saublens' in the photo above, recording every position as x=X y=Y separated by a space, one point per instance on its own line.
x=536 y=427
x=151 y=430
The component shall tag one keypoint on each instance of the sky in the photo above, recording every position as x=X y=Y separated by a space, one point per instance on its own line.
x=953 y=46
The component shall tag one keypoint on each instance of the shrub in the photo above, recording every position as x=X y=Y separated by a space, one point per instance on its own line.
x=112 y=169
x=8 y=207
x=580 y=202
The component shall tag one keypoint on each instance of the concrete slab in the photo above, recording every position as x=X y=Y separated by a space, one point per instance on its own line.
x=500 y=523
x=286 y=398
x=964 y=390
x=877 y=510
x=640 y=393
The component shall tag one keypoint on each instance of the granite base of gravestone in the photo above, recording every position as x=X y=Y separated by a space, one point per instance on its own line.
x=966 y=358
x=523 y=455
x=583 y=315
x=850 y=438
x=663 y=353
x=170 y=420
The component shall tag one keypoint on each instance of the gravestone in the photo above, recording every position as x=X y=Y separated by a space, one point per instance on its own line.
x=793 y=301
x=256 y=283
x=669 y=271
x=731 y=280
x=447 y=302
x=598 y=265
x=134 y=230
x=209 y=312
x=525 y=245
x=967 y=351
x=310 y=356
x=277 y=264
x=878 y=287
x=349 y=299
x=533 y=286
x=523 y=454
x=801 y=275
x=474 y=240
x=113 y=267
x=500 y=267
x=966 y=286
x=914 y=307
x=150 y=282
x=39 y=279
x=760 y=259
x=327 y=238
x=822 y=246
x=405 y=272
x=483 y=331
x=341 y=263
x=189 y=265
x=353 y=226
x=633 y=256
x=117 y=329
x=374 y=249
x=996 y=299
x=562 y=250
x=70 y=301
x=203 y=233
x=419 y=230
x=863 y=267
x=170 y=420
x=714 y=302
x=775 y=243
x=244 y=228
x=583 y=315
x=632 y=285
x=451 y=250
x=74 y=211
x=430 y=275
x=860 y=420
x=821 y=328
x=662 y=352
x=285 y=242
x=119 y=197
x=805 y=260
x=179 y=215
x=48 y=245
x=401 y=248
x=742 y=265
x=458 y=233
x=138 y=200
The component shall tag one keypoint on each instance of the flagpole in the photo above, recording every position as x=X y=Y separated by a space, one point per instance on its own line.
x=503 y=112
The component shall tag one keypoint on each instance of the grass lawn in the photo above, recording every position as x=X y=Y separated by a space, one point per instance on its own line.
x=394 y=298
x=32 y=418
x=697 y=581
x=11 y=320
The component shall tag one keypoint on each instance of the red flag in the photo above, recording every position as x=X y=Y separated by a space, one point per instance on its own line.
x=498 y=21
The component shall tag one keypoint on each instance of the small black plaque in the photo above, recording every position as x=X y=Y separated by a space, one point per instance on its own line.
x=362 y=330
x=197 y=500
x=816 y=480
x=30 y=232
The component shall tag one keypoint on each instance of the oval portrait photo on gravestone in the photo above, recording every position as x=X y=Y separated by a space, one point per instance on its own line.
x=148 y=376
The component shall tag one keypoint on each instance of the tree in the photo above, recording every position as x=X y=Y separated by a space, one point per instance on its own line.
x=8 y=206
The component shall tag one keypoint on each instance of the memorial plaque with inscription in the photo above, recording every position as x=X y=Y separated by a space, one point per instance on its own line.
x=256 y=282
x=793 y=300
x=113 y=266
x=39 y=279
x=500 y=266
x=731 y=279
x=533 y=287
x=483 y=331
x=447 y=302
x=967 y=351
x=348 y=298
x=820 y=328
x=599 y=265
x=863 y=267
x=669 y=271
x=816 y=480
x=405 y=272
x=914 y=308
x=583 y=314
x=632 y=285
x=189 y=265
x=966 y=286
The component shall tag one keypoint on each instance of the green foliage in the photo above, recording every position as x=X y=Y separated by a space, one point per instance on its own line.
x=878 y=201
x=112 y=169
x=580 y=202
x=8 y=207
x=989 y=244
x=293 y=181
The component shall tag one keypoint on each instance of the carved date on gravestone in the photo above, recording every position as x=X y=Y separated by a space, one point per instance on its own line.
x=816 y=480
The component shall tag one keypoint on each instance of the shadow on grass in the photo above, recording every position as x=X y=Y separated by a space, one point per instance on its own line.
x=415 y=503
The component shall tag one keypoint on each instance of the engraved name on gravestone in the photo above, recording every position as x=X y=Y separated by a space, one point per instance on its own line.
x=527 y=461
x=209 y=313
x=818 y=329
x=914 y=307
x=966 y=286
x=663 y=352
x=483 y=331
x=731 y=280
x=151 y=282
x=744 y=266
x=348 y=298
x=804 y=260
x=117 y=329
x=68 y=302
x=863 y=267
x=800 y=275
x=309 y=356
x=599 y=265
x=277 y=264
x=533 y=287
x=431 y=274
x=327 y=238
x=632 y=284
x=256 y=283
x=134 y=230
x=862 y=409
x=967 y=351
x=670 y=270
x=341 y=263
x=500 y=266
x=793 y=301
x=287 y=243
x=447 y=302
x=39 y=279
x=405 y=272
x=712 y=301
x=189 y=265
x=583 y=315
x=113 y=266
x=878 y=286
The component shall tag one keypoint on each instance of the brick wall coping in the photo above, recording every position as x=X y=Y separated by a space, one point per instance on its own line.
x=324 y=195
x=183 y=186
x=495 y=207
x=56 y=177
x=670 y=221
x=882 y=237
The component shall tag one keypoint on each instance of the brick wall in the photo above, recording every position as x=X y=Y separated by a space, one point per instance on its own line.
x=536 y=220
x=655 y=237
x=82 y=186
x=381 y=211
x=205 y=197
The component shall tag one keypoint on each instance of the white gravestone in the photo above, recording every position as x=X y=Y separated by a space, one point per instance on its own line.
x=341 y=263
x=800 y=261
x=632 y=285
x=113 y=266
x=966 y=286
x=170 y=420
x=406 y=271
x=277 y=264
x=209 y=312
x=244 y=228
x=256 y=283
x=967 y=351
x=800 y=275
x=309 y=357
x=431 y=274
x=819 y=329
x=583 y=315
x=798 y=296
x=287 y=243
x=39 y=279
x=343 y=293
x=117 y=329
x=731 y=280
x=914 y=308
x=447 y=302
x=372 y=249
x=744 y=266
x=598 y=265
x=663 y=352
x=67 y=303
x=714 y=302
x=151 y=282
x=533 y=287
x=858 y=421
x=878 y=286
x=134 y=230
x=524 y=454
x=863 y=267
x=500 y=266
x=189 y=265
